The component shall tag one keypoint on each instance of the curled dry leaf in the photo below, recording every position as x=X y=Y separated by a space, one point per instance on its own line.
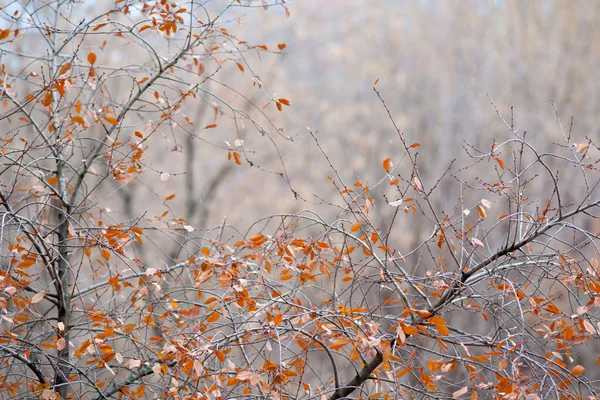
x=582 y=147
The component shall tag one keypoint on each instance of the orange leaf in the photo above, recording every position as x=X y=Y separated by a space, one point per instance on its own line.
x=171 y=197
x=105 y=254
x=410 y=330
x=481 y=212
x=500 y=162
x=281 y=46
x=79 y=120
x=412 y=146
x=339 y=343
x=387 y=164
x=356 y=226
x=240 y=67
x=285 y=102
x=91 y=58
x=214 y=317
x=211 y=126
x=47 y=100
x=26 y=263
x=220 y=355
x=552 y=308
x=577 y=370
x=237 y=157
x=53 y=180
x=111 y=120
x=442 y=329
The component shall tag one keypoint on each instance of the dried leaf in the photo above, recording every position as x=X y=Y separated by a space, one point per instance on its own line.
x=91 y=58
x=581 y=148
x=460 y=392
x=38 y=297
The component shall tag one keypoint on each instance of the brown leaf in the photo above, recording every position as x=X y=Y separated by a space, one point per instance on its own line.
x=64 y=69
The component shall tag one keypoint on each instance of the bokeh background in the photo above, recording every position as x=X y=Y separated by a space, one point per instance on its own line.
x=439 y=64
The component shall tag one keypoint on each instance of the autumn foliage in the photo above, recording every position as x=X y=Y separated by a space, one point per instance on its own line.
x=500 y=300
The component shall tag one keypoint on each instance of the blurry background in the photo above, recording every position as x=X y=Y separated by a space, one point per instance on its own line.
x=436 y=62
